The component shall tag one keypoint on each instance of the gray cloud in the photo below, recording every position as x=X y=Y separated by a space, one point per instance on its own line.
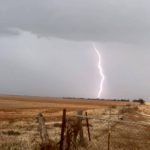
x=55 y=67
x=45 y=47
x=47 y=67
x=96 y=20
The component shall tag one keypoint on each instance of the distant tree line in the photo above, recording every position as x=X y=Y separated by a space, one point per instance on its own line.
x=140 y=100
x=122 y=100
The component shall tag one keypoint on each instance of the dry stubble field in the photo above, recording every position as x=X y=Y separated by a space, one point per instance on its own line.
x=18 y=126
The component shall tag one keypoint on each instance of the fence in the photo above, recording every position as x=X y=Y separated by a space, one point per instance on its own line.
x=124 y=130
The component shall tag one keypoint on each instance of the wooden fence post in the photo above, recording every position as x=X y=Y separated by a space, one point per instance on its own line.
x=118 y=114
x=63 y=129
x=109 y=130
x=88 y=129
x=109 y=140
x=109 y=134
x=43 y=132
x=110 y=112
x=79 y=122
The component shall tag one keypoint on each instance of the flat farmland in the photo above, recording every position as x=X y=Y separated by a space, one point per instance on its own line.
x=27 y=107
x=127 y=123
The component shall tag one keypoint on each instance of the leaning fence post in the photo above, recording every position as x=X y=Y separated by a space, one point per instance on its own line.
x=43 y=132
x=63 y=129
x=87 y=123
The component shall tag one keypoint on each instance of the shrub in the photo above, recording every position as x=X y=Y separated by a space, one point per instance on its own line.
x=11 y=132
x=141 y=101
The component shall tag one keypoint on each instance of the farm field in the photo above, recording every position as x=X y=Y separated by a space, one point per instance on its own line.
x=21 y=107
x=19 y=127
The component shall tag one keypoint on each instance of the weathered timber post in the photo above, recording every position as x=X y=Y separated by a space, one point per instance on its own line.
x=63 y=129
x=88 y=129
x=108 y=140
x=123 y=110
x=110 y=112
x=109 y=129
x=79 y=123
x=118 y=113
x=43 y=132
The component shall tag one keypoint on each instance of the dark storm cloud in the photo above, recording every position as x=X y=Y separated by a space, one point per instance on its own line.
x=93 y=20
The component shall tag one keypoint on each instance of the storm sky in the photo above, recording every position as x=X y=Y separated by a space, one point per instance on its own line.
x=46 y=48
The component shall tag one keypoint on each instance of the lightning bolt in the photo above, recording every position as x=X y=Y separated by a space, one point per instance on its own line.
x=102 y=76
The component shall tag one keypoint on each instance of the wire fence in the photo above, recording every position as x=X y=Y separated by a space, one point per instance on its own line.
x=116 y=135
x=123 y=129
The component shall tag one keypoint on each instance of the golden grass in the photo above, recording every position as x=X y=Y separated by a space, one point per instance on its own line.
x=18 y=115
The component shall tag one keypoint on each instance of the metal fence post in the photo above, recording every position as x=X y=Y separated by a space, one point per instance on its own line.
x=87 y=123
